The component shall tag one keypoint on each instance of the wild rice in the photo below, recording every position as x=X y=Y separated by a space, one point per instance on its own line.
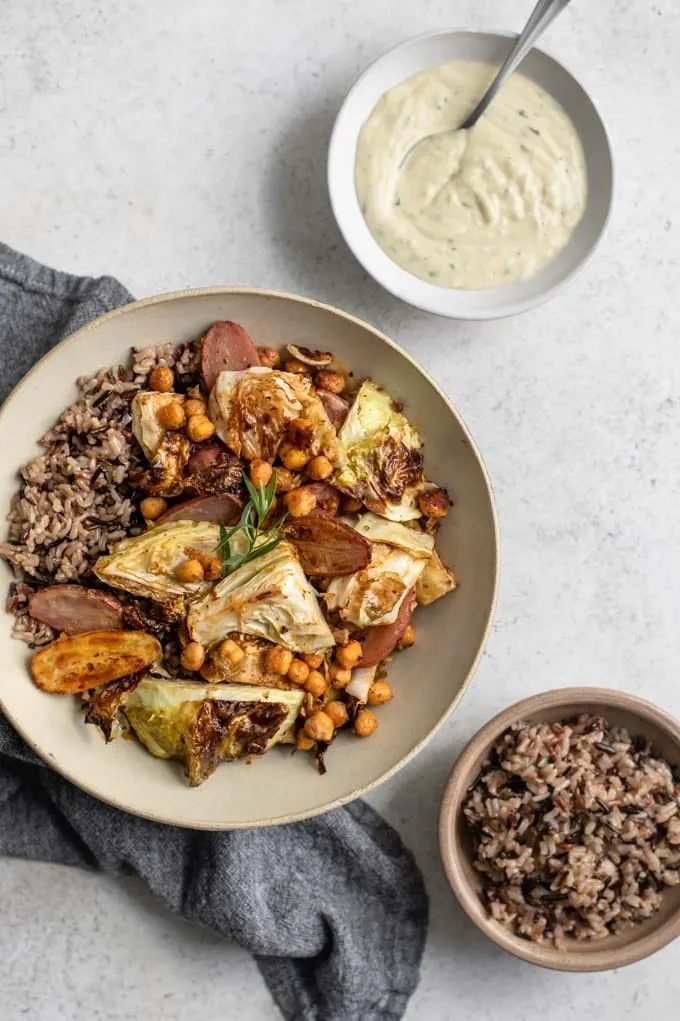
x=576 y=829
x=74 y=499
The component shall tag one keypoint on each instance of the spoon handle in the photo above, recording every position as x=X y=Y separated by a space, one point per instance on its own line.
x=543 y=13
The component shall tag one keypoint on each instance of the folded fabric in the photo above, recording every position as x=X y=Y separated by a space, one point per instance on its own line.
x=334 y=908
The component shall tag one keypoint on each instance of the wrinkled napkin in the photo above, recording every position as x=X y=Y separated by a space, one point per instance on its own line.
x=334 y=909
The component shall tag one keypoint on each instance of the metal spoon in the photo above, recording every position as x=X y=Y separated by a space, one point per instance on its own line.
x=542 y=15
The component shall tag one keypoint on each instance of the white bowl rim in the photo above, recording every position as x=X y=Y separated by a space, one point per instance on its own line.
x=386 y=279
x=122 y=310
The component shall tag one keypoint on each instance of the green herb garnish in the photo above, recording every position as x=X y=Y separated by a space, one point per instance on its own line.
x=253 y=517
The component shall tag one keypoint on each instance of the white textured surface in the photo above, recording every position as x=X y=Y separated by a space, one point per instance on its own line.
x=179 y=144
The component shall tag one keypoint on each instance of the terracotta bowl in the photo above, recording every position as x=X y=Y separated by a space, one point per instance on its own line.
x=640 y=718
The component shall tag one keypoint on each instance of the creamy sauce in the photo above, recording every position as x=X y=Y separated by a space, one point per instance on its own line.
x=470 y=209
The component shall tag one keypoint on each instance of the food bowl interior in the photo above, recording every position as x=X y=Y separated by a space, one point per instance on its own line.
x=578 y=955
x=427 y=680
x=417 y=55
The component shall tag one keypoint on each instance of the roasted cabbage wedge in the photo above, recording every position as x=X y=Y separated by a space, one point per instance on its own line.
x=270 y=598
x=146 y=428
x=374 y=596
x=380 y=459
x=203 y=725
x=252 y=410
x=166 y=451
x=436 y=580
x=146 y=564
x=411 y=540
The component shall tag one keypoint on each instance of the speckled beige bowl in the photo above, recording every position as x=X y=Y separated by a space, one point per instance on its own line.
x=640 y=718
x=428 y=680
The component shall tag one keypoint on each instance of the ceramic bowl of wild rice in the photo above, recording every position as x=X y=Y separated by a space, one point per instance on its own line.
x=560 y=829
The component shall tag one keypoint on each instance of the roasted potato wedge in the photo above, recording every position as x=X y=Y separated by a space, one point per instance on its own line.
x=88 y=660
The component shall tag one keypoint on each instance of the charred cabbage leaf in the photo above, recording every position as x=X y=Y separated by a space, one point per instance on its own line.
x=146 y=428
x=374 y=596
x=166 y=451
x=411 y=540
x=436 y=580
x=268 y=598
x=145 y=565
x=105 y=704
x=203 y=725
x=380 y=458
x=252 y=410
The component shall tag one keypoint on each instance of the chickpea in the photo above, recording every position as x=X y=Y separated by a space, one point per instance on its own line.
x=313 y=659
x=349 y=655
x=231 y=651
x=365 y=723
x=334 y=382
x=338 y=713
x=212 y=565
x=162 y=379
x=298 y=671
x=189 y=572
x=260 y=472
x=315 y=684
x=194 y=407
x=319 y=727
x=284 y=480
x=408 y=638
x=299 y=502
x=379 y=692
x=295 y=459
x=152 y=507
x=269 y=357
x=200 y=428
x=319 y=468
x=350 y=505
x=340 y=676
x=434 y=503
x=278 y=660
x=296 y=366
x=303 y=742
x=172 y=416
x=193 y=656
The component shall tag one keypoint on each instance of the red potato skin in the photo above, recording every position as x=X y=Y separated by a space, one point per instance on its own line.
x=380 y=641
x=221 y=507
x=327 y=499
x=75 y=609
x=206 y=456
x=226 y=346
x=327 y=547
x=335 y=407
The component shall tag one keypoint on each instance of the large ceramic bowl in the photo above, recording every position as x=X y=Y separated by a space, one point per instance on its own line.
x=488 y=47
x=428 y=680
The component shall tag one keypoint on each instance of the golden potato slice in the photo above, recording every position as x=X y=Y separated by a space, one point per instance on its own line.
x=88 y=660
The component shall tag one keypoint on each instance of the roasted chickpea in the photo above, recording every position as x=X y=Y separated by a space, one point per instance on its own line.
x=319 y=727
x=326 y=379
x=189 y=572
x=340 y=676
x=162 y=379
x=212 y=565
x=408 y=638
x=260 y=472
x=313 y=659
x=319 y=468
x=172 y=416
x=295 y=459
x=365 y=723
x=349 y=655
x=269 y=357
x=200 y=428
x=338 y=713
x=434 y=503
x=350 y=505
x=152 y=507
x=194 y=407
x=315 y=683
x=193 y=656
x=231 y=651
x=298 y=671
x=299 y=502
x=303 y=742
x=284 y=480
x=379 y=692
x=296 y=366
x=278 y=660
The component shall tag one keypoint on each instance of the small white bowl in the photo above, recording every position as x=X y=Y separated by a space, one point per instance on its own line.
x=408 y=59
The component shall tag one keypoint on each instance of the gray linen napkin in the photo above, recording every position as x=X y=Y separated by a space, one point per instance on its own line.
x=334 y=909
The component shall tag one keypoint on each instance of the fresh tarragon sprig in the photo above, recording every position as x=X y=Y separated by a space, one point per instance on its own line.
x=253 y=516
